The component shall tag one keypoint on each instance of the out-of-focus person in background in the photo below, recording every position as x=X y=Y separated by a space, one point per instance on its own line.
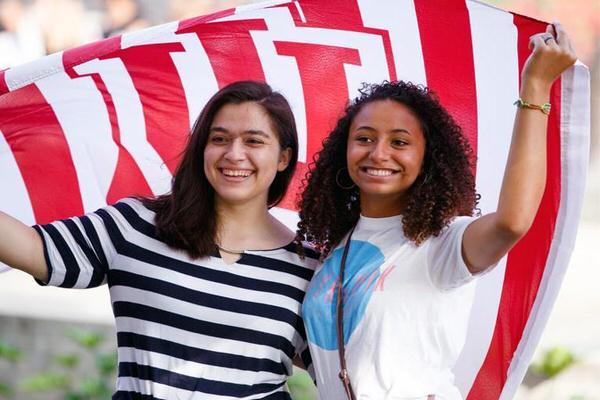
x=65 y=23
x=182 y=9
x=21 y=39
x=122 y=16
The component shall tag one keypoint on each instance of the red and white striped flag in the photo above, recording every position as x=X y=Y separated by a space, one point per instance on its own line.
x=91 y=125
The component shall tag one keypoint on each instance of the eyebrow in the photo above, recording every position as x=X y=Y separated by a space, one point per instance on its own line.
x=247 y=132
x=368 y=128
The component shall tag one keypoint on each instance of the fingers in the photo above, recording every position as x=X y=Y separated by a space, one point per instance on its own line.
x=540 y=40
x=536 y=41
x=562 y=38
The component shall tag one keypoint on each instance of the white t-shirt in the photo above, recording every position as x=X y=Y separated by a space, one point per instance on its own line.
x=406 y=310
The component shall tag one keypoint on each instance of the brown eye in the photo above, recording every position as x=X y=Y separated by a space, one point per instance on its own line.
x=363 y=139
x=217 y=139
x=254 y=141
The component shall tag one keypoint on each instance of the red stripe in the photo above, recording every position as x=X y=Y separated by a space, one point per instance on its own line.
x=325 y=92
x=163 y=97
x=527 y=261
x=339 y=15
x=445 y=31
x=42 y=153
x=230 y=49
x=3 y=84
x=90 y=51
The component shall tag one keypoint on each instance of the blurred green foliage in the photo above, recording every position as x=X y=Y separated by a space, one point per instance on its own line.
x=98 y=385
x=553 y=362
x=301 y=386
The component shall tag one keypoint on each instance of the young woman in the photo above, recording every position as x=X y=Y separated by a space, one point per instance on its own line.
x=389 y=201
x=205 y=284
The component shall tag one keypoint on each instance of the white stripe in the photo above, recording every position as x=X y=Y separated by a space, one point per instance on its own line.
x=575 y=136
x=24 y=74
x=399 y=18
x=58 y=274
x=130 y=118
x=496 y=73
x=197 y=340
x=196 y=369
x=196 y=74
x=300 y=11
x=193 y=65
x=15 y=198
x=81 y=113
x=288 y=217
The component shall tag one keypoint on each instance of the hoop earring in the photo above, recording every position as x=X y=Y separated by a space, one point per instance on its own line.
x=337 y=180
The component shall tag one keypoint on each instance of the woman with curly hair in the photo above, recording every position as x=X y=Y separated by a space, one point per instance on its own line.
x=389 y=203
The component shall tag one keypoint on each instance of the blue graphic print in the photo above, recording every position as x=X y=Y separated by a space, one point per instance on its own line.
x=318 y=310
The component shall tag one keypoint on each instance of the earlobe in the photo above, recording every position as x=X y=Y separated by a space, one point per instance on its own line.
x=284 y=159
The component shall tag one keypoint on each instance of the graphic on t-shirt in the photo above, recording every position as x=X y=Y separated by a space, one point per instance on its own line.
x=361 y=276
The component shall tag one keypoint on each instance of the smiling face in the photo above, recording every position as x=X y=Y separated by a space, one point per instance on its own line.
x=243 y=154
x=386 y=148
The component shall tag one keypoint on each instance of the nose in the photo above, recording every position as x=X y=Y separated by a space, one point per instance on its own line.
x=235 y=151
x=380 y=152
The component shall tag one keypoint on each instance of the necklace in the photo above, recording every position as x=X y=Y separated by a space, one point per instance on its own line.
x=228 y=251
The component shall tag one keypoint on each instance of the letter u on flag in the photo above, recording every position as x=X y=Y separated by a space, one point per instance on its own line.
x=88 y=126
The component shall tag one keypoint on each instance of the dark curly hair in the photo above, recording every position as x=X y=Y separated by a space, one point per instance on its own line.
x=444 y=189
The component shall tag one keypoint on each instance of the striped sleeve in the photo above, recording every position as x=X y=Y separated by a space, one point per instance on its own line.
x=77 y=250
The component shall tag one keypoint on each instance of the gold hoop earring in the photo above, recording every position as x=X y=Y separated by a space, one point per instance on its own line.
x=337 y=180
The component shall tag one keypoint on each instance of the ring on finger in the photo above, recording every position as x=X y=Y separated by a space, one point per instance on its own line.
x=547 y=36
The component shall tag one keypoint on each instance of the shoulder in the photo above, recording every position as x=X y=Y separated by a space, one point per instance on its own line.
x=132 y=206
x=302 y=255
x=129 y=214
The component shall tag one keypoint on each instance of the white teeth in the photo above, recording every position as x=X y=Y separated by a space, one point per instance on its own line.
x=236 y=172
x=379 y=172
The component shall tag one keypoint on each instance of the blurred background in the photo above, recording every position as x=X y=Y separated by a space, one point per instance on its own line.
x=66 y=349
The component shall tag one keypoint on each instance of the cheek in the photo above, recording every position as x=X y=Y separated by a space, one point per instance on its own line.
x=352 y=156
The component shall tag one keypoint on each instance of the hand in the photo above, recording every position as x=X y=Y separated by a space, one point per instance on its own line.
x=552 y=53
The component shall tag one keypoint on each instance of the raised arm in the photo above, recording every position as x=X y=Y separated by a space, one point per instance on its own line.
x=490 y=237
x=21 y=247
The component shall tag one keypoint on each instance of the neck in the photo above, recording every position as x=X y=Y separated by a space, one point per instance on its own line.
x=249 y=226
x=381 y=206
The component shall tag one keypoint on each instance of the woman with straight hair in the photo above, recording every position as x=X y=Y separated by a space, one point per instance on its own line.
x=205 y=283
x=390 y=201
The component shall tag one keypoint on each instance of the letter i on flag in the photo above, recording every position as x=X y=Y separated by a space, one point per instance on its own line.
x=88 y=126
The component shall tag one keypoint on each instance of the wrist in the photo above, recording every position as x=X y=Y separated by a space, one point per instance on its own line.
x=535 y=91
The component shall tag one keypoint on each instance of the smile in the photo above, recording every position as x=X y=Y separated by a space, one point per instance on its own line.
x=243 y=173
x=378 y=171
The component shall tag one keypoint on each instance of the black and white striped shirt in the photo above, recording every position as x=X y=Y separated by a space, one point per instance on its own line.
x=186 y=329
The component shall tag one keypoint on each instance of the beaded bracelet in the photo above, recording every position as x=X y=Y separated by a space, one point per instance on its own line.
x=545 y=108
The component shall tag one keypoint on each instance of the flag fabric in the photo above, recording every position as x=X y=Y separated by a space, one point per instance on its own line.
x=88 y=126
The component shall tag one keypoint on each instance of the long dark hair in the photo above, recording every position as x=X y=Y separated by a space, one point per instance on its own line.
x=444 y=189
x=186 y=217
